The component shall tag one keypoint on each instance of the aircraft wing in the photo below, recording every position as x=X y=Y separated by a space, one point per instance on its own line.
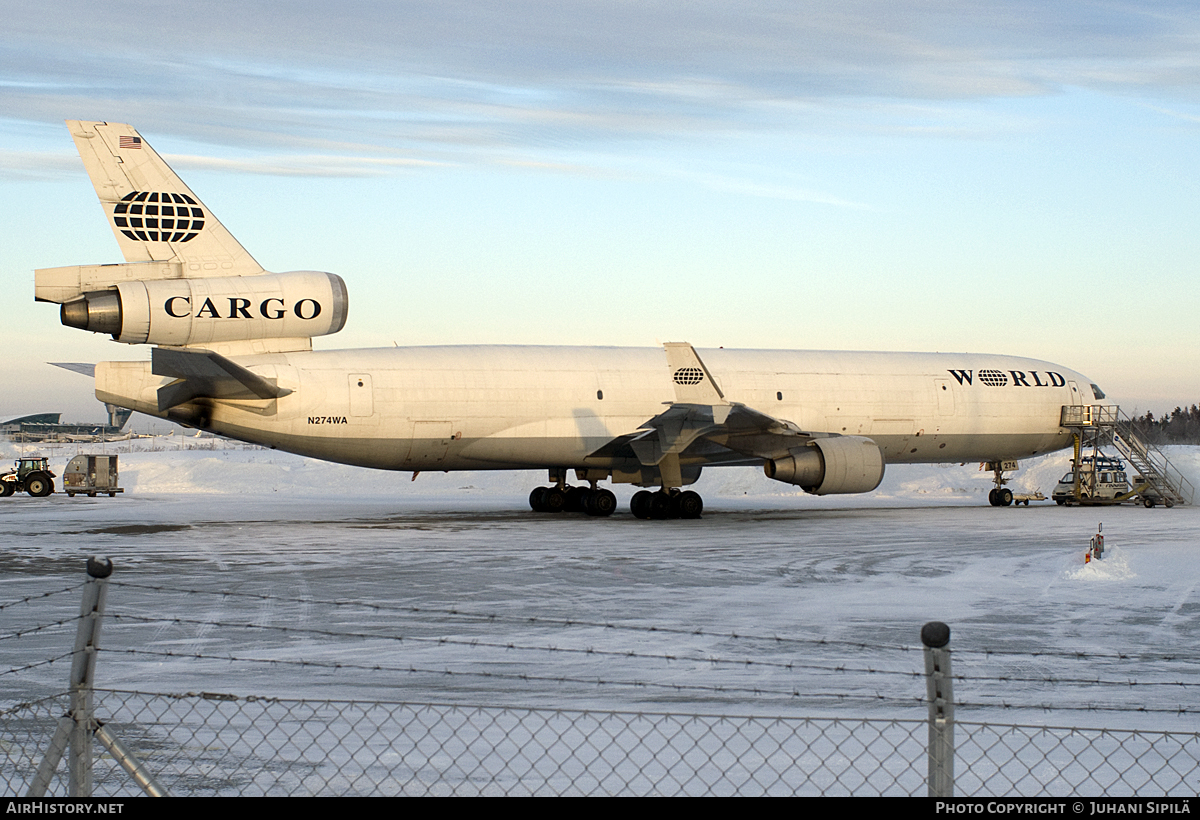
x=702 y=412
x=205 y=374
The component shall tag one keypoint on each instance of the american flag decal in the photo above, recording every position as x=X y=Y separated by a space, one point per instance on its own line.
x=130 y=142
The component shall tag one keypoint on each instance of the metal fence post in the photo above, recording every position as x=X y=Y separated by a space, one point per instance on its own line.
x=77 y=728
x=935 y=635
x=83 y=673
x=74 y=732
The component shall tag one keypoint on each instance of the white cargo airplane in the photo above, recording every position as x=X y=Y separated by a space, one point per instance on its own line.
x=233 y=354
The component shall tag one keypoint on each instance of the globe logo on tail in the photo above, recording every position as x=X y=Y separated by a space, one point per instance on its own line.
x=151 y=216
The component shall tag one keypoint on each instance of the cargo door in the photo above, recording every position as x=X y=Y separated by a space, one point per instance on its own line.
x=430 y=441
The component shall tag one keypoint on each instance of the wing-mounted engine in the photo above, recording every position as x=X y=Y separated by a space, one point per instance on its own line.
x=836 y=464
x=820 y=464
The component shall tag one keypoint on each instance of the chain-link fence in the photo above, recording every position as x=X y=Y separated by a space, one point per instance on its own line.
x=125 y=742
x=222 y=745
x=213 y=745
x=1040 y=761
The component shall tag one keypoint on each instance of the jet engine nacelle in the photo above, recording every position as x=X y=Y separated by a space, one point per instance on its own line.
x=838 y=464
x=299 y=304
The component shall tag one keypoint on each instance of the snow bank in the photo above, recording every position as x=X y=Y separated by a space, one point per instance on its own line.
x=216 y=467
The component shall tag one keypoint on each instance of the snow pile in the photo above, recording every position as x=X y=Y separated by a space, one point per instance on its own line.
x=1114 y=566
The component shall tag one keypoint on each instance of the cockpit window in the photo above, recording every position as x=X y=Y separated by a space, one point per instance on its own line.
x=1097 y=392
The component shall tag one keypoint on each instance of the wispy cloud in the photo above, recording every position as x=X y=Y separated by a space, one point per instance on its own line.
x=439 y=79
x=312 y=165
x=37 y=165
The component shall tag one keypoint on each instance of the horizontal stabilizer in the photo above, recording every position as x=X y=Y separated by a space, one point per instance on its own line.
x=205 y=374
x=82 y=368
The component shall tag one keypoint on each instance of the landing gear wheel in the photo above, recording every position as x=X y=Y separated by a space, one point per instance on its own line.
x=639 y=505
x=601 y=503
x=690 y=505
x=537 y=499
x=555 y=500
x=39 y=485
x=577 y=499
x=662 y=506
x=1004 y=498
x=992 y=498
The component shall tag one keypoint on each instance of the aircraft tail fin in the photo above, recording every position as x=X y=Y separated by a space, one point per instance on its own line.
x=154 y=215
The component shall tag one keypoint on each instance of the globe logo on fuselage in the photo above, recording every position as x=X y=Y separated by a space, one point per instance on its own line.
x=151 y=216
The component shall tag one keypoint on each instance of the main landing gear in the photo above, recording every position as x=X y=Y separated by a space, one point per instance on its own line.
x=669 y=502
x=666 y=504
x=593 y=501
x=659 y=505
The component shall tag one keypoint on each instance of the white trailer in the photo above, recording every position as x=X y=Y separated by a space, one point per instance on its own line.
x=91 y=474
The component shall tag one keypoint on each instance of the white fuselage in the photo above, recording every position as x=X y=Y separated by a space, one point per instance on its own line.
x=511 y=407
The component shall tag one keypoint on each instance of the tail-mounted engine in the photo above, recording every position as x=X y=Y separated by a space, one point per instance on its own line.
x=838 y=464
x=180 y=311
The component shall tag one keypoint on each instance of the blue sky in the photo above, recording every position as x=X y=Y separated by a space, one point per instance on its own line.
x=1015 y=177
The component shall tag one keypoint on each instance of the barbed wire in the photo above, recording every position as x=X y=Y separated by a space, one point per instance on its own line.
x=231 y=697
x=685 y=657
x=533 y=620
x=25 y=706
x=473 y=643
x=17 y=669
x=788 y=665
x=524 y=677
x=226 y=696
x=1062 y=654
x=1081 y=707
x=39 y=628
x=41 y=595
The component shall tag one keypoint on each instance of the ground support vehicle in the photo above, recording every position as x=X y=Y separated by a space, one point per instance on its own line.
x=1150 y=497
x=30 y=474
x=91 y=474
x=1094 y=480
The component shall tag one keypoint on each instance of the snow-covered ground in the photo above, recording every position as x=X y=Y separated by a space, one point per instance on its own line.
x=262 y=556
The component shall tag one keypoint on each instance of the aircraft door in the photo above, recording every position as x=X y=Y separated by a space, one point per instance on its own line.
x=362 y=400
x=1076 y=396
x=945 y=397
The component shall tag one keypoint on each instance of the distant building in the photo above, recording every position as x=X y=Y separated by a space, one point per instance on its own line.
x=48 y=427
